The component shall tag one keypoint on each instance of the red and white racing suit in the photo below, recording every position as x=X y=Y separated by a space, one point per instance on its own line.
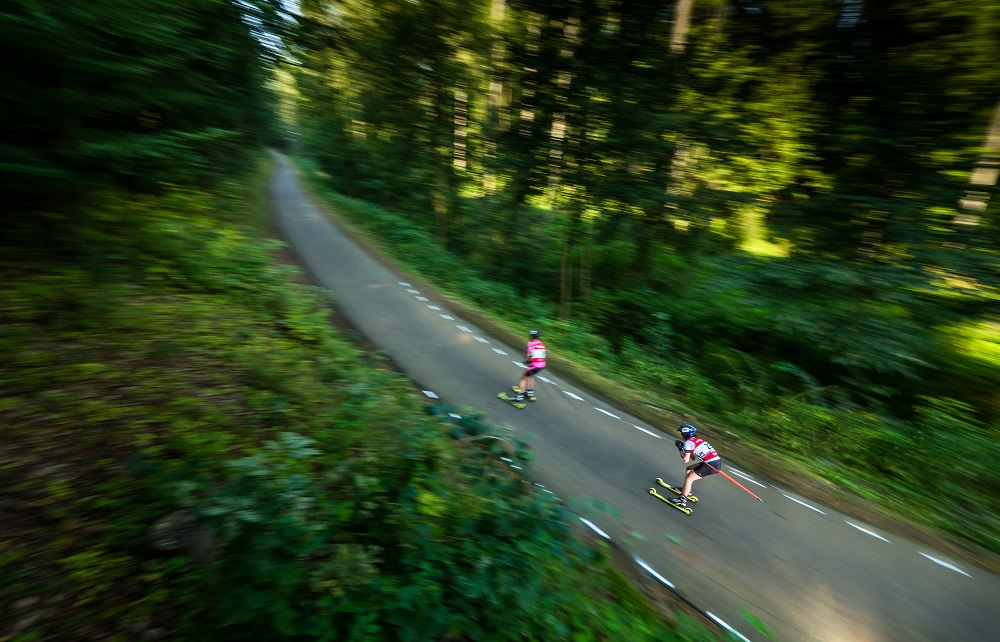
x=703 y=450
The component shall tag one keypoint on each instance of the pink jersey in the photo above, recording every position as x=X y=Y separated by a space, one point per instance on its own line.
x=701 y=449
x=536 y=353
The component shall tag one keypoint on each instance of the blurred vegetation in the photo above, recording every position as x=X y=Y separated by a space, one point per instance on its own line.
x=189 y=451
x=775 y=216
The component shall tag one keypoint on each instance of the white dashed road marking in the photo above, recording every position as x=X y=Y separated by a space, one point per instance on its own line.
x=545 y=490
x=595 y=529
x=649 y=569
x=726 y=626
x=865 y=530
x=945 y=564
x=799 y=501
x=746 y=477
x=647 y=432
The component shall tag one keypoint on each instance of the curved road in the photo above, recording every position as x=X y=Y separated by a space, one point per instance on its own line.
x=807 y=572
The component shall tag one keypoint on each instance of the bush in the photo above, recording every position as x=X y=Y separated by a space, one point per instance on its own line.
x=828 y=357
x=195 y=454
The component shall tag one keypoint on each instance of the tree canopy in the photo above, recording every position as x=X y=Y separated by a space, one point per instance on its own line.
x=758 y=201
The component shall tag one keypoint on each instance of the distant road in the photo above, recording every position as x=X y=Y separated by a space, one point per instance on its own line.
x=806 y=571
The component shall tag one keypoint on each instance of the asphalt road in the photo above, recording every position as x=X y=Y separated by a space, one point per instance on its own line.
x=806 y=571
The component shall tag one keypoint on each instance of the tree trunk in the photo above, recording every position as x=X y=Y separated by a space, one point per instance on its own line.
x=566 y=279
x=440 y=214
x=559 y=132
x=985 y=174
x=682 y=23
x=494 y=97
x=585 y=274
x=566 y=262
x=643 y=249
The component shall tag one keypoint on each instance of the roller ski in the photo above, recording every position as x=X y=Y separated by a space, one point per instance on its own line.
x=690 y=498
x=676 y=502
x=529 y=395
x=511 y=400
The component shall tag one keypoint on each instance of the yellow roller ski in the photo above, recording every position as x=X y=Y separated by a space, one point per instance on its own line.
x=510 y=400
x=691 y=498
x=516 y=389
x=683 y=509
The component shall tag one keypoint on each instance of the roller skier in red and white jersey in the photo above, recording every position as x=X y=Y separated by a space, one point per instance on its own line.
x=534 y=358
x=691 y=447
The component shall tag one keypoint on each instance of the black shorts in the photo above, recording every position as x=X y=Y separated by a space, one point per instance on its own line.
x=531 y=372
x=704 y=469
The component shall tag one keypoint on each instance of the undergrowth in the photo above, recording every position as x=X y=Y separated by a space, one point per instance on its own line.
x=191 y=452
x=881 y=458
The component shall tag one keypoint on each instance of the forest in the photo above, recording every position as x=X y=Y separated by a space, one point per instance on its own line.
x=189 y=449
x=776 y=215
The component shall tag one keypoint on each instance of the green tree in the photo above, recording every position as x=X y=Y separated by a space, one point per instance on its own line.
x=110 y=94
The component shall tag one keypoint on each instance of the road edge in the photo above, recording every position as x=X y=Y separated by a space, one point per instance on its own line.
x=785 y=473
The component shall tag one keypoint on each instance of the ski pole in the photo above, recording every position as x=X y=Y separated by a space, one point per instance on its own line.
x=740 y=485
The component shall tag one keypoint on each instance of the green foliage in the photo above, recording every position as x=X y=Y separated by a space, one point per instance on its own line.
x=758 y=226
x=110 y=93
x=777 y=312
x=761 y=223
x=195 y=453
x=417 y=250
x=191 y=451
x=629 y=180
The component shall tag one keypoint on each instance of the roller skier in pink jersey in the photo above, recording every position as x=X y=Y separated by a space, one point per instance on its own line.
x=534 y=359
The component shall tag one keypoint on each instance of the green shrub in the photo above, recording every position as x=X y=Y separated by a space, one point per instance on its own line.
x=198 y=453
x=828 y=357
